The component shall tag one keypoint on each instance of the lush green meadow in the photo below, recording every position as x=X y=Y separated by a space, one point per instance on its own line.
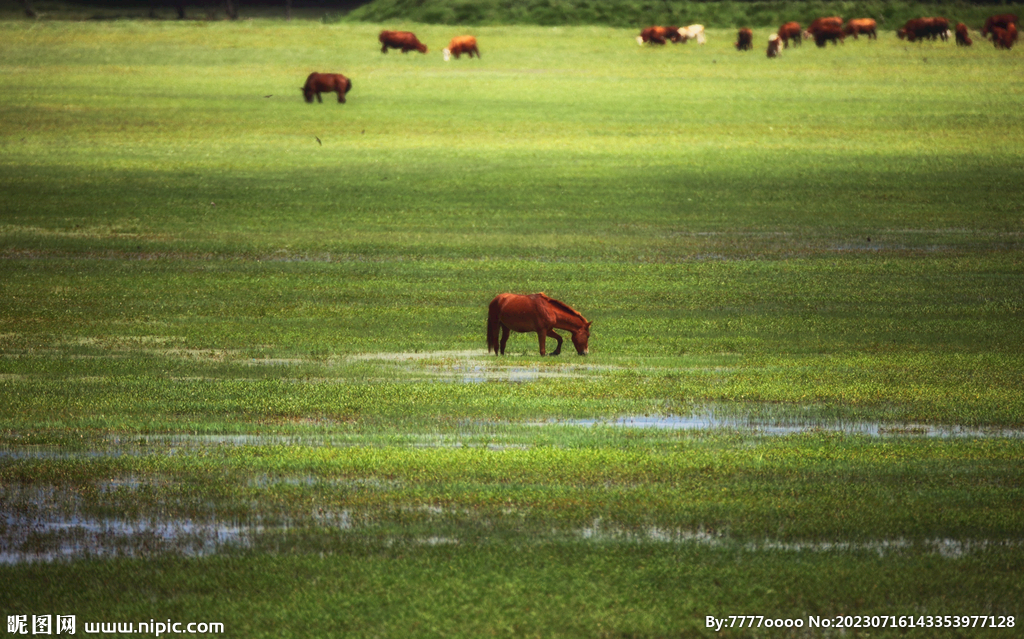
x=243 y=375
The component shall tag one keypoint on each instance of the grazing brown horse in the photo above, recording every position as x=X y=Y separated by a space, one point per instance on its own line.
x=534 y=313
x=318 y=83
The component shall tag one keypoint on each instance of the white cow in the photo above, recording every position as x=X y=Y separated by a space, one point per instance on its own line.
x=692 y=32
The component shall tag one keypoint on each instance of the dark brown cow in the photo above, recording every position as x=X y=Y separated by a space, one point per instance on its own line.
x=825 y=30
x=867 y=26
x=814 y=27
x=404 y=40
x=963 y=37
x=1001 y=21
x=1004 y=38
x=825 y=33
x=790 y=31
x=459 y=45
x=917 y=29
x=774 y=44
x=318 y=83
x=744 y=40
x=658 y=35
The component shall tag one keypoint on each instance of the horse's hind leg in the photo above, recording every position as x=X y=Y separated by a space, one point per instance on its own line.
x=504 y=338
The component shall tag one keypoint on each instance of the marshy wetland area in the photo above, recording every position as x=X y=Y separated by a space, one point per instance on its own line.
x=244 y=375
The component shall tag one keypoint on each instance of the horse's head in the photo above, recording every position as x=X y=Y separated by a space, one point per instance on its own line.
x=307 y=93
x=580 y=337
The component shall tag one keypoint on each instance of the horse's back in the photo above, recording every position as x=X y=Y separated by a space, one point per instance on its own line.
x=523 y=312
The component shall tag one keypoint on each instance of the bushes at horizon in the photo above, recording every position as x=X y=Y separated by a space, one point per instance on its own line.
x=635 y=13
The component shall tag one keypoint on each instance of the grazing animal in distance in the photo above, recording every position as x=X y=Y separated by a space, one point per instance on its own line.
x=744 y=40
x=692 y=32
x=963 y=35
x=459 y=45
x=535 y=313
x=318 y=83
x=819 y=23
x=774 y=43
x=1004 y=38
x=828 y=33
x=404 y=40
x=824 y=30
x=658 y=35
x=790 y=31
x=867 y=26
x=917 y=29
x=1001 y=21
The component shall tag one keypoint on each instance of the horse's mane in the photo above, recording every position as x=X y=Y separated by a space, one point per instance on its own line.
x=562 y=305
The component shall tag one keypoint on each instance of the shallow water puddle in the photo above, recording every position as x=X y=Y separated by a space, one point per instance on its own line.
x=26 y=540
x=598 y=531
x=709 y=421
x=476 y=366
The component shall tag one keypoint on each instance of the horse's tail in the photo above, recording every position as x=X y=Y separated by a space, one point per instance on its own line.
x=493 y=327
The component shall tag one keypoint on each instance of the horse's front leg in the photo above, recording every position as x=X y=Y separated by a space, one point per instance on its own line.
x=318 y=98
x=558 y=338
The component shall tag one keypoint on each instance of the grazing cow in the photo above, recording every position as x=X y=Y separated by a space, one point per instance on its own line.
x=1004 y=38
x=774 y=43
x=790 y=31
x=1001 y=21
x=963 y=38
x=824 y=30
x=460 y=45
x=692 y=32
x=823 y=23
x=318 y=83
x=917 y=29
x=825 y=33
x=867 y=26
x=404 y=40
x=744 y=40
x=658 y=35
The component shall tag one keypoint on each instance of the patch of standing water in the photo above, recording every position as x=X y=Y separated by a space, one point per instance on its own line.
x=709 y=421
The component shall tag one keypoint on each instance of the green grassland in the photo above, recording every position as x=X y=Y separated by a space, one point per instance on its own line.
x=261 y=322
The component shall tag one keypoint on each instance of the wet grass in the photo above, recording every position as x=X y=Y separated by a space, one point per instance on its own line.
x=241 y=338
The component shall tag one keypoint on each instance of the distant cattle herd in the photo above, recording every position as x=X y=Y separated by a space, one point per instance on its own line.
x=1002 y=29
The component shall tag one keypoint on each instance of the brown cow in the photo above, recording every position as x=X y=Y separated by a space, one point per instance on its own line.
x=963 y=37
x=832 y=21
x=1002 y=21
x=917 y=29
x=744 y=40
x=867 y=26
x=404 y=40
x=824 y=30
x=318 y=83
x=658 y=35
x=774 y=44
x=460 y=45
x=790 y=31
x=1004 y=38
